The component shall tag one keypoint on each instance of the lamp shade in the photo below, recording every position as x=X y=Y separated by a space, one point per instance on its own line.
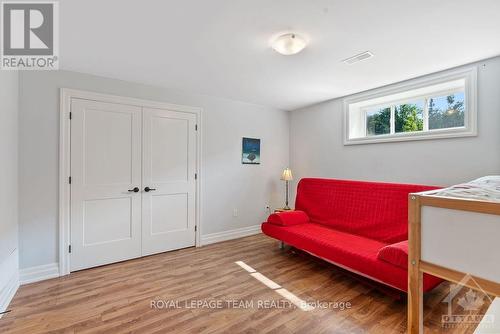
x=287 y=175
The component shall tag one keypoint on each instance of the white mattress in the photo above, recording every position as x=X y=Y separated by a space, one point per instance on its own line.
x=486 y=188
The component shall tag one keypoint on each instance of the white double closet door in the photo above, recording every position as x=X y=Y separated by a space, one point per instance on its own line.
x=133 y=186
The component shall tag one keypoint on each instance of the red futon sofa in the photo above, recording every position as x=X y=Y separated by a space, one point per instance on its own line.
x=359 y=226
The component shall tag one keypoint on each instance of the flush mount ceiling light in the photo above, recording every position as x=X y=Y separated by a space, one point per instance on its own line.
x=289 y=44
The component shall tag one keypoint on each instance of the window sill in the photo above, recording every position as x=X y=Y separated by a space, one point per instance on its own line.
x=435 y=134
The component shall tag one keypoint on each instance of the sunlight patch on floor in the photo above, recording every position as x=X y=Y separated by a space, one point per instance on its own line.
x=245 y=266
x=266 y=281
x=300 y=303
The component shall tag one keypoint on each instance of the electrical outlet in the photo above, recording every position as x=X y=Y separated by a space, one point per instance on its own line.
x=235 y=212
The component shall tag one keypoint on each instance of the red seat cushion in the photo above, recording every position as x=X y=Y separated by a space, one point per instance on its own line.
x=396 y=254
x=357 y=253
x=288 y=218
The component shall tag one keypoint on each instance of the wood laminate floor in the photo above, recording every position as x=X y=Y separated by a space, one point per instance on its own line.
x=117 y=298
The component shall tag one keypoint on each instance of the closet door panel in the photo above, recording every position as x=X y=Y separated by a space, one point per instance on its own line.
x=105 y=165
x=169 y=167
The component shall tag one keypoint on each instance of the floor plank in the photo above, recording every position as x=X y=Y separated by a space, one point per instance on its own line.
x=117 y=298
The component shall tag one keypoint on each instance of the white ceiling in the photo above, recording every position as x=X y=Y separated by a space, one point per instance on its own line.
x=221 y=47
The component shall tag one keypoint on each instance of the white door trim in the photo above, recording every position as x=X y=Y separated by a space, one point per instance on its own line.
x=65 y=160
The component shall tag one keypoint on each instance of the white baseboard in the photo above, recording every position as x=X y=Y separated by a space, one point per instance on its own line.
x=47 y=271
x=8 y=292
x=9 y=280
x=212 y=238
x=38 y=273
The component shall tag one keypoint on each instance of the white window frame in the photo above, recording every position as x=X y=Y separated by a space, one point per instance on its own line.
x=468 y=74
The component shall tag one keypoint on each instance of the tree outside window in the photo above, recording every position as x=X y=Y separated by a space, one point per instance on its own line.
x=409 y=117
x=378 y=122
x=447 y=111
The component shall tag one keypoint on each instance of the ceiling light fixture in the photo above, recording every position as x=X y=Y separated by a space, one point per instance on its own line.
x=289 y=44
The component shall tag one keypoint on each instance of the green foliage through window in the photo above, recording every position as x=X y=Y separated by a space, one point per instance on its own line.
x=378 y=122
x=447 y=111
x=409 y=117
x=443 y=112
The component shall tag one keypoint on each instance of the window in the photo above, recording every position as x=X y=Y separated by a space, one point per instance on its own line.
x=378 y=122
x=409 y=117
x=439 y=106
x=447 y=111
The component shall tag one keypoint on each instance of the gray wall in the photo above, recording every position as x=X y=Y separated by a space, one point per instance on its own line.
x=226 y=183
x=317 y=148
x=8 y=167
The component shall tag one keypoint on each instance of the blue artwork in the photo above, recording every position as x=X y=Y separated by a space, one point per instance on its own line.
x=250 y=151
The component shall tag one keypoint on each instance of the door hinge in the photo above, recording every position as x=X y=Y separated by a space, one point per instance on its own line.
x=196 y=176
x=69 y=249
x=196 y=127
x=70 y=115
x=70 y=180
x=195 y=228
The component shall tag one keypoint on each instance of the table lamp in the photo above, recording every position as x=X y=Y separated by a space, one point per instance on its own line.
x=286 y=176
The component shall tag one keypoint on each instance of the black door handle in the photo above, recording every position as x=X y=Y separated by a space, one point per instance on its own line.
x=135 y=190
x=147 y=189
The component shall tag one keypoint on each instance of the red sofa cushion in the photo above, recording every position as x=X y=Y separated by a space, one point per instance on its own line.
x=396 y=254
x=374 y=210
x=356 y=253
x=288 y=218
